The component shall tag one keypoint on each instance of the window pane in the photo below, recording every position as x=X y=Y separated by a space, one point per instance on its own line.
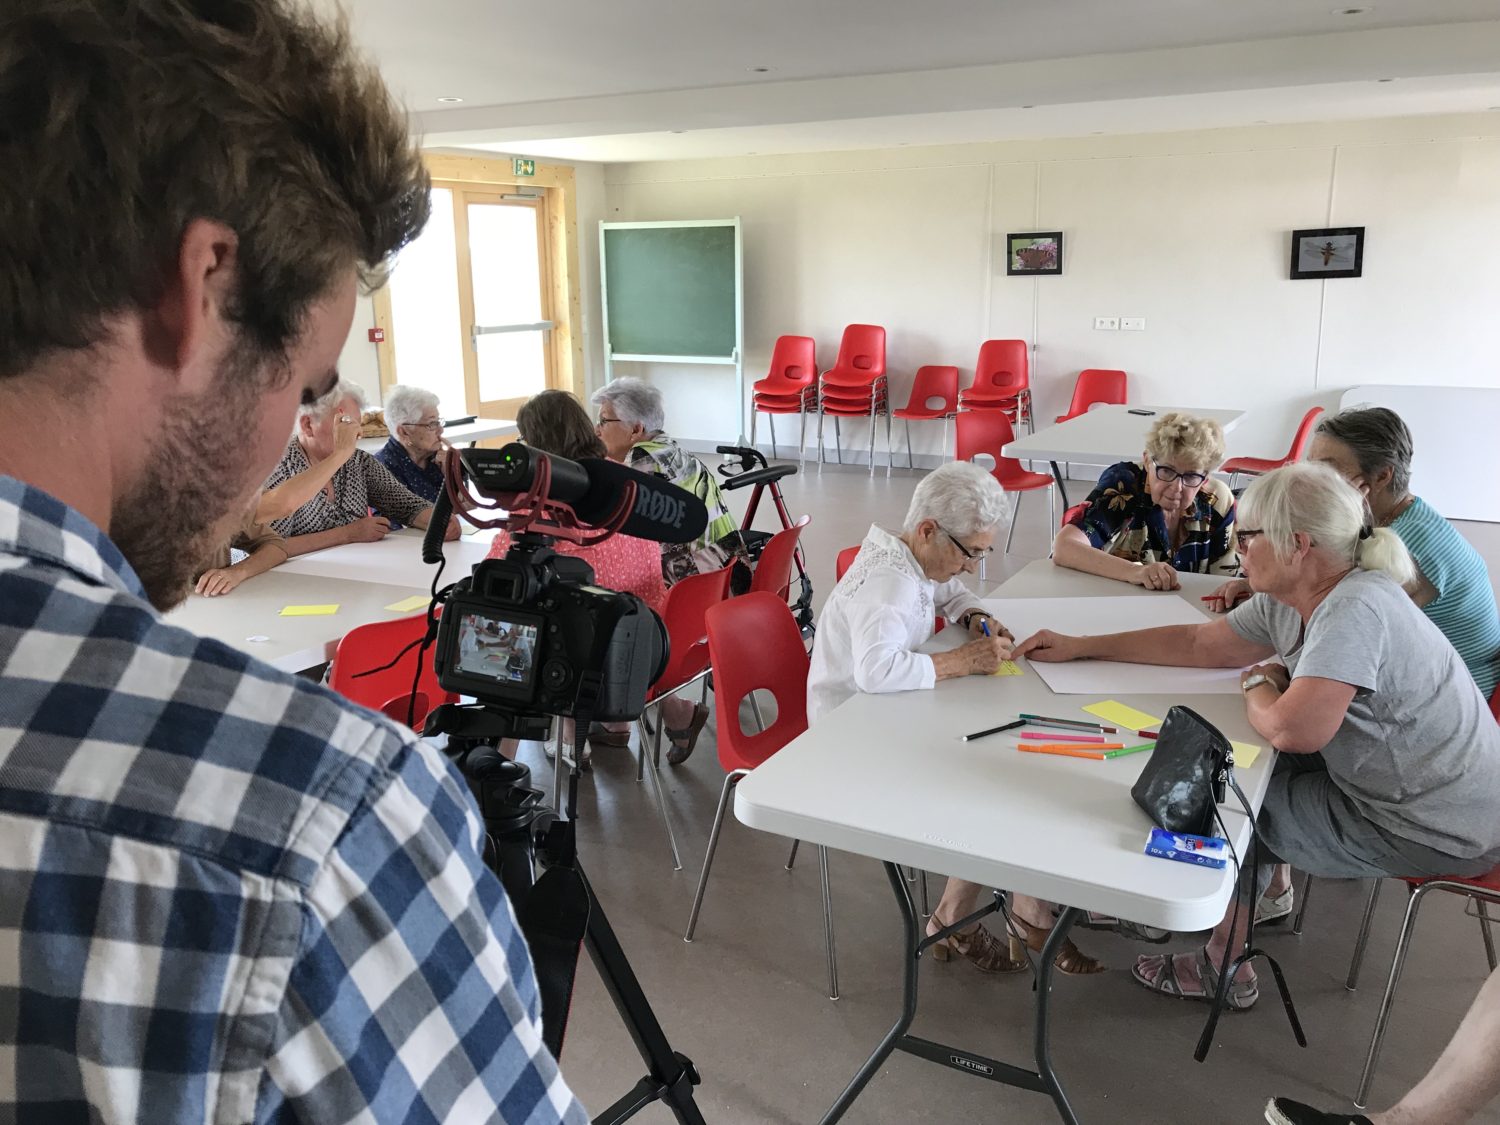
x=425 y=325
x=503 y=257
x=512 y=365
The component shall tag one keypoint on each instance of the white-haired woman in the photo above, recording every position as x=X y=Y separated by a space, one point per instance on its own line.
x=631 y=423
x=339 y=512
x=410 y=453
x=1390 y=761
x=868 y=635
x=1145 y=522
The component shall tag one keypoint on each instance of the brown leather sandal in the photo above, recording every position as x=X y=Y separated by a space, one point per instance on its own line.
x=980 y=948
x=1070 y=959
x=686 y=739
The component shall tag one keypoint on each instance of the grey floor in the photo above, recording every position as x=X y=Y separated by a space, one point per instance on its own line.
x=746 y=999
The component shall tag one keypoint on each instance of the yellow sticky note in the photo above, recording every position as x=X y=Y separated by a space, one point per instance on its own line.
x=407 y=605
x=1121 y=715
x=308 y=610
x=1245 y=754
x=1008 y=668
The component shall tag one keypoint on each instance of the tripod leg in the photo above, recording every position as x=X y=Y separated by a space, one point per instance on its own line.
x=730 y=780
x=791 y=859
x=833 y=964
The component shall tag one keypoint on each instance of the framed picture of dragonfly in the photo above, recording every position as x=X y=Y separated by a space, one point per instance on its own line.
x=1033 y=255
x=1328 y=252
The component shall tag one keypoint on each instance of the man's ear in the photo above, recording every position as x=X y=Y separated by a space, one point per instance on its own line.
x=188 y=328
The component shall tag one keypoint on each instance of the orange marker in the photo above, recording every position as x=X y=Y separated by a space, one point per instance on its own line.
x=1093 y=752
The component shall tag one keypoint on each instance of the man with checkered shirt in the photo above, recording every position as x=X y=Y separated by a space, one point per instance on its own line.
x=225 y=894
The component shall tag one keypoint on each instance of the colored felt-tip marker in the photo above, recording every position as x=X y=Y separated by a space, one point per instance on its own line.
x=1072 y=724
x=1063 y=751
x=993 y=730
x=1130 y=750
x=1056 y=737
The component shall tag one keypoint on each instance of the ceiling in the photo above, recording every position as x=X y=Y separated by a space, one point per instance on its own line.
x=669 y=79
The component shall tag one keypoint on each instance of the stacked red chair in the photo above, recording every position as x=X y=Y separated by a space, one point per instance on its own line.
x=1002 y=381
x=791 y=387
x=856 y=387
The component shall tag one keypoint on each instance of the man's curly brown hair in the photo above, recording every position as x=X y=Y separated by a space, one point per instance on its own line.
x=122 y=121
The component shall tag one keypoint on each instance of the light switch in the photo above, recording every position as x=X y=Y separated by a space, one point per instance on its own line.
x=1132 y=324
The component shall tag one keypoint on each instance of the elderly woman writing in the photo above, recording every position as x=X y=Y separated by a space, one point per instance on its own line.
x=631 y=425
x=1390 y=761
x=339 y=512
x=868 y=634
x=1145 y=522
x=411 y=452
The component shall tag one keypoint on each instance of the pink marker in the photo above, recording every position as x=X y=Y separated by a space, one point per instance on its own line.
x=1053 y=736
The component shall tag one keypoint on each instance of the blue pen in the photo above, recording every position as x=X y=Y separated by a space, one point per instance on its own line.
x=985 y=626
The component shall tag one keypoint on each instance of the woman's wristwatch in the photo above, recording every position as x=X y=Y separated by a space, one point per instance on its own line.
x=1254 y=682
x=967 y=620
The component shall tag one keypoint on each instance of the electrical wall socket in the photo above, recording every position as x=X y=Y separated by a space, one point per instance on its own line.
x=1132 y=324
x=1107 y=323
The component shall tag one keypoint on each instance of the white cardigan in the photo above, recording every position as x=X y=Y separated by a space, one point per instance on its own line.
x=872 y=623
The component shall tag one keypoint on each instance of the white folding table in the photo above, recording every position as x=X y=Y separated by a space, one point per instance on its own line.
x=887 y=776
x=395 y=560
x=481 y=429
x=1104 y=435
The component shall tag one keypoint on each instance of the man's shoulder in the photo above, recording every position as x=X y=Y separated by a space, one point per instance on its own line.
x=122 y=721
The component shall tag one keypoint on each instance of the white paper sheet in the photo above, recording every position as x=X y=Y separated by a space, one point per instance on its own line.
x=1088 y=617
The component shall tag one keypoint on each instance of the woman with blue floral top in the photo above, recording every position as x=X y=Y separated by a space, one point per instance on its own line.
x=1146 y=521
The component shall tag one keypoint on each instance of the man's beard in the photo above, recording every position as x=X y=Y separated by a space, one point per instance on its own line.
x=172 y=520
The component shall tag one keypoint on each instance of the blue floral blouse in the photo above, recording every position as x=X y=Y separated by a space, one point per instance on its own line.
x=1121 y=519
x=426 y=483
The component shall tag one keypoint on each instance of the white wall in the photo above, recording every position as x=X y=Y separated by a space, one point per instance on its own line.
x=1190 y=231
x=357 y=361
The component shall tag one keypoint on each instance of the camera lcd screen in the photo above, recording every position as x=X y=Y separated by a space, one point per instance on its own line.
x=495 y=649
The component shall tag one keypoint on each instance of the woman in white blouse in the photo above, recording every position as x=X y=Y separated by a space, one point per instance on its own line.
x=868 y=635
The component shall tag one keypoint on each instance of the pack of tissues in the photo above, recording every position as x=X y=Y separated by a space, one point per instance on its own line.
x=1206 y=851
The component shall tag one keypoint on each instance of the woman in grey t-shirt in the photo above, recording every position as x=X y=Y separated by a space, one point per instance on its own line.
x=1390 y=761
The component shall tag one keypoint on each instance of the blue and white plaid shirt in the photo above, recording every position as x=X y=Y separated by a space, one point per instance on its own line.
x=226 y=894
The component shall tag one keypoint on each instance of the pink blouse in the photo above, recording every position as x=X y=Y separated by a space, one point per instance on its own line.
x=621 y=562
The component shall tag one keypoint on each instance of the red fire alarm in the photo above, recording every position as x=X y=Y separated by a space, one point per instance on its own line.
x=377 y=335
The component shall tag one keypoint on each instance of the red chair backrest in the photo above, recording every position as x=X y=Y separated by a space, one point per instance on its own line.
x=1073 y=513
x=844 y=561
x=389 y=690
x=987 y=432
x=934 y=381
x=794 y=363
x=1095 y=385
x=755 y=644
x=1304 y=434
x=773 y=571
x=1003 y=365
x=1494 y=697
x=862 y=349
x=682 y=613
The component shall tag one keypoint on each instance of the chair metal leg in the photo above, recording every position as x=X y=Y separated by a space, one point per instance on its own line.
x=1234 y=479
x=1364 y=936
x=1051 y=512
x=661 y=799
x=760 y=720
x=838 y=445
x=872 y=434
x=1302 y=905
x=890 y=450
x=802 y=436
x=1383 y=1017
x=926 y=909
x=1014 y=519
x=791 y=859
x=730 y=781
x=833 y=965
x=1484 y=928
x=753 y=414
x=771 y=421
x=910 y=463
x=821 y=416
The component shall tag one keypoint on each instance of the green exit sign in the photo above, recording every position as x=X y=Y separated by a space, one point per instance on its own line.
x=524 y=167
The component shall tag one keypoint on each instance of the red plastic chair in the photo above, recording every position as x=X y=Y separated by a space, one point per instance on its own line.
x=1484 y=890
x=846 y=559
x=687 y=663
x=773 y=571
x=988 y=432
x=1255 y=466
x=755 y=645
x=1002 y=381
x=791 y=387
x=931 y=383
x=1095 y=385
x=389 y=690
x=856 y=387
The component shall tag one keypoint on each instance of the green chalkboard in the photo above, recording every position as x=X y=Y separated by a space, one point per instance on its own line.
x=671 y=290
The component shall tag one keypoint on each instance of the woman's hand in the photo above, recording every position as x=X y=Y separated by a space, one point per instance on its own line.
x=1051 y=648
x=978 y=621
x=371 y=529
x=451 y=532
x=985 y=655
x=1229 y=595
x=346 y=429
x=1156 y=576
x=218 y=581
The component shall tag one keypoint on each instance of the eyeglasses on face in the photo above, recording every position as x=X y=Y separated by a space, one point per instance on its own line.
x=1242 y=538
x=1166 y=474
x=968 y=554
x=599 y=425
x=434 y=426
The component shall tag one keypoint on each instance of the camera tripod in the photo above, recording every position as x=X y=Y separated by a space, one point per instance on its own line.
x=559 y=909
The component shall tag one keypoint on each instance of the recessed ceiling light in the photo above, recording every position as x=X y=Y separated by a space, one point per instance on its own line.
x=1359 y=11
x=759 y=69
x=1097 y=133
x=677 y=130
x=450 y=101
x=1385 y=80
x=1028 y=107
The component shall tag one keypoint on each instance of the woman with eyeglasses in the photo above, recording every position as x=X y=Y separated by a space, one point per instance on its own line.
x=1388 y=760
x=875 y=619
x=411 y=452
x=1145 y=522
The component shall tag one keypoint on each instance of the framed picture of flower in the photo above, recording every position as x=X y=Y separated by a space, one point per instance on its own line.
x=1032 y=255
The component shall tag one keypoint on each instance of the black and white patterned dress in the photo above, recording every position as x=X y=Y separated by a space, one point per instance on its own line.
x=360 y=484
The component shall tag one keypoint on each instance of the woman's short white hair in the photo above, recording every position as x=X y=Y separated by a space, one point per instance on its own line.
x=961 y=497
x=404 y=406
x=1314 y=499
x=319 y=407
x=635 y=401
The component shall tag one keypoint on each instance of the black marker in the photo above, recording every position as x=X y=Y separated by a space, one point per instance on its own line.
x=993 y=730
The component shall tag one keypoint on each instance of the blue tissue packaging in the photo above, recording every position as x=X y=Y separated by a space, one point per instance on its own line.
x=1205 y=851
